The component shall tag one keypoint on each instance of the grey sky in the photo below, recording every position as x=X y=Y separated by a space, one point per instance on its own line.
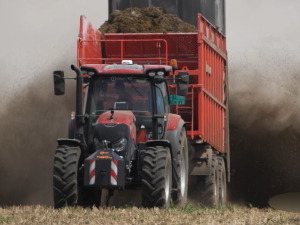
x=40 y=36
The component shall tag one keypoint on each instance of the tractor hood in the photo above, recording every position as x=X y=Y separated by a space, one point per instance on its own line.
x=114 y=122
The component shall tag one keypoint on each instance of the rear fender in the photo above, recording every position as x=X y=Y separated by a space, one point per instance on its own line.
x=202 y=161
x=69 y=142
x=173 y=122
x=164 y=143
x=72 y=143
x=173 y=136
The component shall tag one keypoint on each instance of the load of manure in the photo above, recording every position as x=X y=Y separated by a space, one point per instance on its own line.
x=145 y=20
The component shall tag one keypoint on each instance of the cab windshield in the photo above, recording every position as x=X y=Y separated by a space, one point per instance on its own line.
x=121 y=93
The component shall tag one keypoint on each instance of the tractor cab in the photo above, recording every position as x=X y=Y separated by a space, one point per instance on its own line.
x=120 y=91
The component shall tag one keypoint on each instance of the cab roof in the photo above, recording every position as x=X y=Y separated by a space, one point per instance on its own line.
x=124 y=68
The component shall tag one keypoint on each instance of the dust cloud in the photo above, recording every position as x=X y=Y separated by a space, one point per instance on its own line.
x=36 y=39
x=265 y=137
x=30 y=125
x=264 y=74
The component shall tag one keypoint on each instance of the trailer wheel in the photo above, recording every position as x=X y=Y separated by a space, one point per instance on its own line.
x=156 y=177
x=65 y=185
x=222 y=181
x=210 y=189
x=182 y=167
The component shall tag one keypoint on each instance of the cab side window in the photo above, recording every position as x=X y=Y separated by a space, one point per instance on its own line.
x=161 y=98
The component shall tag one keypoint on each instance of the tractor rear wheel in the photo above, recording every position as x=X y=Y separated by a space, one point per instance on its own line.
x=156 y=177
x=210 y=188
x=65 y=185
x=182 y=167
x=222 y=181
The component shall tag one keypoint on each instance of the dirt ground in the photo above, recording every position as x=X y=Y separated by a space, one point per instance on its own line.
x=134 y=215
x=145 y=20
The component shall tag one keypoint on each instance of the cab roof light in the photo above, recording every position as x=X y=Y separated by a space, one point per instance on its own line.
x=88 y=70
x=160 y=73
x=151 y=73
x=127 y=62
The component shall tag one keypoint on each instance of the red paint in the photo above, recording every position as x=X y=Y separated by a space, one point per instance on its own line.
x=87 y=46
x=120 y=117
x=114 y=174
x=173 y=121
x=141 y=136
x=92 y=171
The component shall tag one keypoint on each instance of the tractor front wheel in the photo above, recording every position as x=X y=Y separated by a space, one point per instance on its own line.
x=65 y=185
x=156 y=177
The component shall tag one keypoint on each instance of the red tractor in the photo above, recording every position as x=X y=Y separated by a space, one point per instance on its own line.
x=151 y=112
x=126 y=137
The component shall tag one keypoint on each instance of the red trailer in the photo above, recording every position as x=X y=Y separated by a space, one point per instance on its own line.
x=203 y=55
x=193 y=127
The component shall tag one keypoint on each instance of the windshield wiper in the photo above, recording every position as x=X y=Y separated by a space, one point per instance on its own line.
x=134 y=87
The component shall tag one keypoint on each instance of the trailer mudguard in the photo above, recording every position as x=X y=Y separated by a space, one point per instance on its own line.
x=202 y=160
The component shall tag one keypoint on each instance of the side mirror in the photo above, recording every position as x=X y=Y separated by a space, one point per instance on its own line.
x=59 y=82
x=183 y=83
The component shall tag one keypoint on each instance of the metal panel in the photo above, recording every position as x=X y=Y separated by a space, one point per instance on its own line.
x=88 y=46
x=213 y=10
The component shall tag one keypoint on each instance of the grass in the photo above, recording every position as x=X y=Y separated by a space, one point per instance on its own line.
x=236 y=215
x=5 y=219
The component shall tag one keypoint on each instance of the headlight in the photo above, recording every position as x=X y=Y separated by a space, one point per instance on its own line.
x=119 y=145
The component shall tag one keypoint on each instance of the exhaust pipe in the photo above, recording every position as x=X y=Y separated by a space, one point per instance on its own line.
x=79 y=115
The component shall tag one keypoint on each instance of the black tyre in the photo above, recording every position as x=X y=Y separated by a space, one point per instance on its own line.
x=210 y=188
x=222 y=181
x=180 y=180
x=65 y=185
x=156 y=177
